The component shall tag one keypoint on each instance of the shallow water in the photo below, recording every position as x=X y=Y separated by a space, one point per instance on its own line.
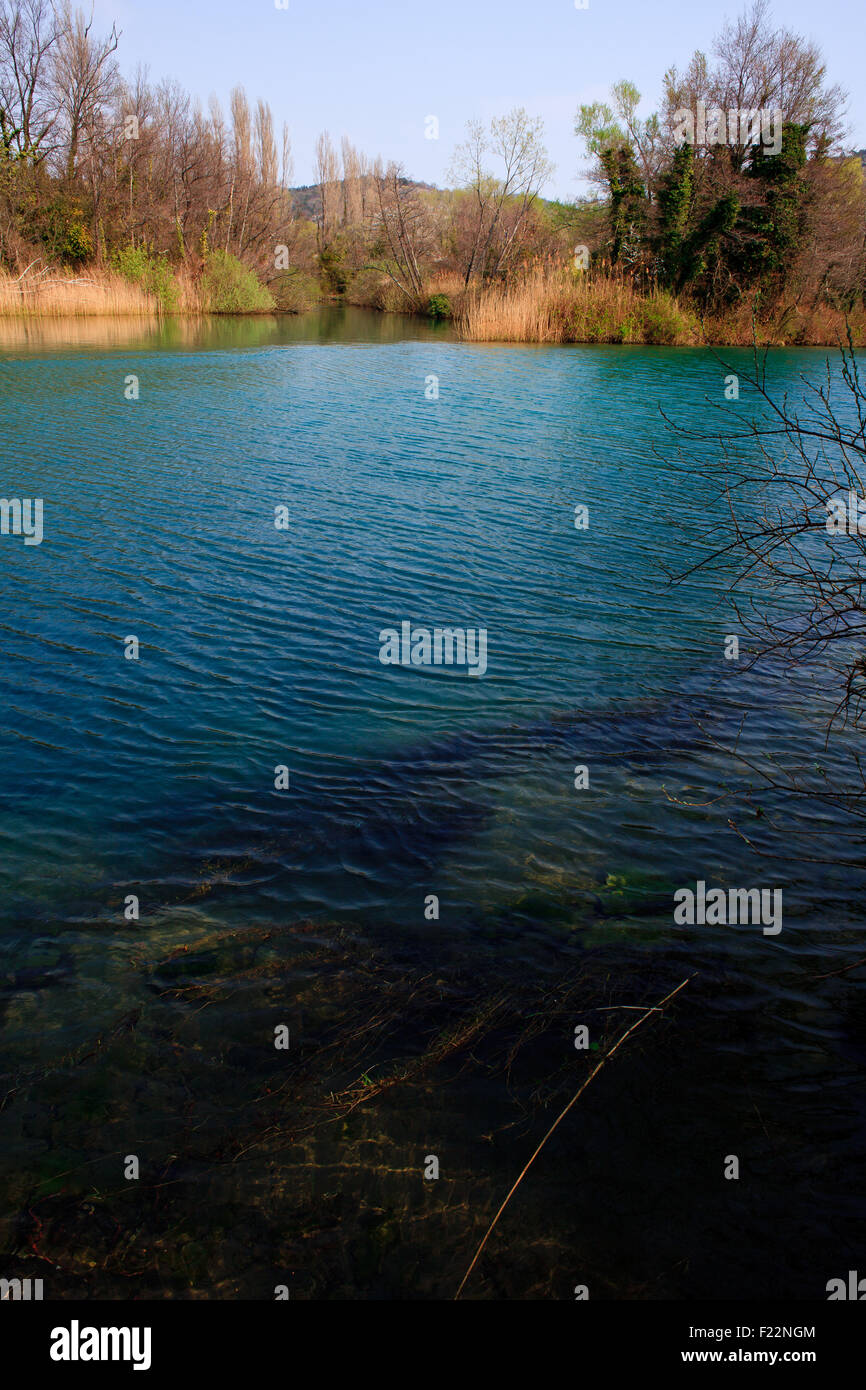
x=259 y=648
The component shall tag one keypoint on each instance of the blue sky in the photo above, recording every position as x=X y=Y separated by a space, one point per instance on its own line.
x=375 y=69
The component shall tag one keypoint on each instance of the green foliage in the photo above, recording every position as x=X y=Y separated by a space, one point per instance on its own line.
x=735 y=245
x=584 y=219
x=628 y=203
x=335 y=275
x=606 y=315
x=675 y=199
x=663 y=322
x=293 y=292
x=777 y=225
x=230 y=288
x=598 y=322
x=152 y=273
x=64 y=233
x=439 y=307
x=705 y=255
x=77 y=245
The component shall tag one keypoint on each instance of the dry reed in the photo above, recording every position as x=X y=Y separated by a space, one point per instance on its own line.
x=553 y=304
x=50 y=293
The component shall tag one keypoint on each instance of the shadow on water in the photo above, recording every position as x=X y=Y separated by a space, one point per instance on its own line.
x=305 y=1167
x=392 y=820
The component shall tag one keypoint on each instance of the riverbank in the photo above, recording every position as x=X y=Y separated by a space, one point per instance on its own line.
x=553 y=304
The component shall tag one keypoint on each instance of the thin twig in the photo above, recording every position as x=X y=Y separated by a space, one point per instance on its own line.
x=843 y=971
x=655 y=1009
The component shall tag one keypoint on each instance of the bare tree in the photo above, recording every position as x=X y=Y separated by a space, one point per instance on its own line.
x=287 y=162
x=29 y=108
x=328 y=178
x=791 y=547
x=352 y=204
x=84 y=76
x=516 y=142
x=403 y=229
x=266 y=146
x=760 y=67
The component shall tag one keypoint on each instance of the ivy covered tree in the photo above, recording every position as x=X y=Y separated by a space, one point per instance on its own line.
x=676 y=196
x=774 y=225
x=629 y=205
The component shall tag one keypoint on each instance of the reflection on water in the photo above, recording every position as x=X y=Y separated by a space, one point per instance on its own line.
x=329 y=323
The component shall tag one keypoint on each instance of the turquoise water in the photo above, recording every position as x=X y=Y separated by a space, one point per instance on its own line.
x=259 y=648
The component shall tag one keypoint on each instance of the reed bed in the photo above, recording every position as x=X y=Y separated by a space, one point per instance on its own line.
x=553 y=304
x=550 y=304
x=49 y=293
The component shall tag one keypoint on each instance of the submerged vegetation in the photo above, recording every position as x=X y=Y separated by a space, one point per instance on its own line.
x=313 y=1158
x=119 y=197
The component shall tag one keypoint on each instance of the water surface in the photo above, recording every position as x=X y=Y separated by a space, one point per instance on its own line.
x=259 y=649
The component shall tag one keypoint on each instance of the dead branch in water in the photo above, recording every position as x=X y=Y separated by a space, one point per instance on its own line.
x=656 y=1008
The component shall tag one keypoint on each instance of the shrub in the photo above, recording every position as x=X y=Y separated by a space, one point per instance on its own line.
x=365 y=288
x=335 y=274
x=64 y=233
x=77 y=245
x=293 y=292
x=439 y=306
x=230 y=288
x=663 y=321
x=152 y=273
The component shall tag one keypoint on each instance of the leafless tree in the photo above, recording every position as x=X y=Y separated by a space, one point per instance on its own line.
x=516 y=142
x=404 y=231
x=328 y=178
x=29 y=108
x=792 y=547
x=85 y=79
x=761 y=67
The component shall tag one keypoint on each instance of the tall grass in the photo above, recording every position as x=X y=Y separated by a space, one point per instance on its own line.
x=553 y=304
x=790 y=325
x=520 y=313
x=55 y=294
x=134 y=287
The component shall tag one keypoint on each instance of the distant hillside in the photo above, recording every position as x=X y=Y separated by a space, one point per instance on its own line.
x=306 y=197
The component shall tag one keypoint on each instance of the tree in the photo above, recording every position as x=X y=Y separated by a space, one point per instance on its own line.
x=328 y=178
x=606 y=127
x=759 y=67
x=500 y=200
x=627 y=207
x=776 y=224
x=29 y=108
x=792 y=478
x=675 y=199
x=403 y=230
x=84 y=77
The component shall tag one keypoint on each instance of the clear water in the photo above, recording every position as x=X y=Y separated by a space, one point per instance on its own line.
x=259 y=648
